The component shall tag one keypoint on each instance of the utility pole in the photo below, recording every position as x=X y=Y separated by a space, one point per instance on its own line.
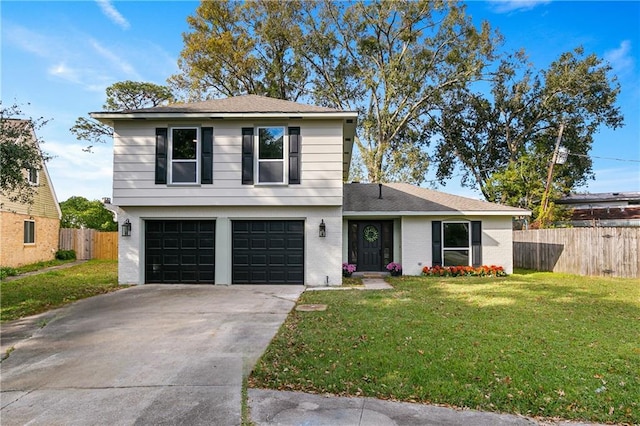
x=543 y=217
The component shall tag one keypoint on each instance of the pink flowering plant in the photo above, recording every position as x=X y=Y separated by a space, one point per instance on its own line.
x=394 y=268
x=348 y=269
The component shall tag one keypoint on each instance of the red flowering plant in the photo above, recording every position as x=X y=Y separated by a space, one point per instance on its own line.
x=463 y=271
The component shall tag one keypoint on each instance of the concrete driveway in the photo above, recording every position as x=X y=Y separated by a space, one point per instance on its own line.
x=153 y=354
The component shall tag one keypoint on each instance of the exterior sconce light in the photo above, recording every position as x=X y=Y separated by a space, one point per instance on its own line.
x=126 y=228
x=322 y=229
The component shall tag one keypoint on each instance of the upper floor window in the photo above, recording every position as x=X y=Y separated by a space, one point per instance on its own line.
x=29 y=232
x=184 y=155
x=456 y=243
x=271 y=155
x=33 y=176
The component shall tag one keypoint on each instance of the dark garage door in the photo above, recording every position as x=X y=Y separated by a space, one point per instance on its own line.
x=268 y=252
x=180 y=251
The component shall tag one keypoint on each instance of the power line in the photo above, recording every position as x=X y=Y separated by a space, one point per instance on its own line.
x=605 y=158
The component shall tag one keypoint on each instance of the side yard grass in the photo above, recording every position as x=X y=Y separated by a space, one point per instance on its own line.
x=537 y=344
x=38 y=293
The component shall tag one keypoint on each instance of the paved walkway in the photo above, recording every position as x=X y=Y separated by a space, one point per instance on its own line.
x=42 y=271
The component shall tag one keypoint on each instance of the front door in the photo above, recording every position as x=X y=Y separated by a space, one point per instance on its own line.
x=370 y=244
x=370 y=247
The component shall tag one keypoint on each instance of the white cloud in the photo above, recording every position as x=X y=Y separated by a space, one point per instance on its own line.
x=114 y=60
x=506 y=6
x=75 y=172
x=620 y=58
x=30 y=41
x=110 y=11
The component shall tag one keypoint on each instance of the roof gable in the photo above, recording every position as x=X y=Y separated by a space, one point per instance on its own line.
x=403 y=197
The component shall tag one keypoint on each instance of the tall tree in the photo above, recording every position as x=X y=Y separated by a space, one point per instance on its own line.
x=393 y=61
x=78 y=212
x=238 y=48
x=121 y=96
x=19 y=153
x=504 y=141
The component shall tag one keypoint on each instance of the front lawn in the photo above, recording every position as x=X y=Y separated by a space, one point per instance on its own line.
x=38 y=293
x=536 y=344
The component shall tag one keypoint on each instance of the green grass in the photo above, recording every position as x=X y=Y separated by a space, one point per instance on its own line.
x=536 y=344
x=39 y=293
x=6 y=271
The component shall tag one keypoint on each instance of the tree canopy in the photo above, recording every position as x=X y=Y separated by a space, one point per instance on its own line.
x=391 y=61
x=504 y=141
x=121 y=96
x=78 y=212
x=19 y=153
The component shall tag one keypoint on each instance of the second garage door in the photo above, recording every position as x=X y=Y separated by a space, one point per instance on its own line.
x=268 y=252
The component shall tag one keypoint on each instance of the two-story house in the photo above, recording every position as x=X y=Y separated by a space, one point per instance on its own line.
x=250 y=190
x=29 y=233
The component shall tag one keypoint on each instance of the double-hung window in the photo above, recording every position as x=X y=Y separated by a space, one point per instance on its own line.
x=271 y=158
x=29 y=232
x=33 y=176
x=456 y=243
x=184 y=155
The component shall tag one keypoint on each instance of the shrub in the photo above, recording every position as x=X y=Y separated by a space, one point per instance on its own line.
x=464 y=271
x=66 y=255
x=6 y=271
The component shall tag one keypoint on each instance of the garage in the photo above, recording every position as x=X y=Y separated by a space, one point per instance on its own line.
x=268 y=252
x=180 y=251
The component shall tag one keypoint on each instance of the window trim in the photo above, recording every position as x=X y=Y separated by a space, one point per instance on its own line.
x=29 y=233
x=468 y=247
x=197 y=160
x=284 y=160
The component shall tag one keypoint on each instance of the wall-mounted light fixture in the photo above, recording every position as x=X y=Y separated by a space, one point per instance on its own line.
x=322 y=229
x=126 y=228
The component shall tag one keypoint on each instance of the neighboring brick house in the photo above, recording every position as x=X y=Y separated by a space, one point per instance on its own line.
x=30 y=232
x=249 y=190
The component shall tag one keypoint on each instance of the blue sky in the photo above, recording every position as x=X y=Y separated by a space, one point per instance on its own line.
x=59 y=57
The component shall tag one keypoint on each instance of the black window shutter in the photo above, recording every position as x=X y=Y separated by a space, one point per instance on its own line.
x=206 y=170
x=436 y=243
x=247 y=155
x=294 y=155
x=161 y=155
x=476 y=243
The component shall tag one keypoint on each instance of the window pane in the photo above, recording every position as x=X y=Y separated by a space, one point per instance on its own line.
x=183 y=172
x=185 y=143
x=270 y=143
x=29 y=232
x=456 y=234
x=271 y=172
x=456 y=257
x=33 y=176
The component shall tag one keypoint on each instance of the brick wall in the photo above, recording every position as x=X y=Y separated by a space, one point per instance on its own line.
x=14 y=252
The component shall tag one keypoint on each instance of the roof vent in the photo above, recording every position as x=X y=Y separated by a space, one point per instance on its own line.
x=379 y=191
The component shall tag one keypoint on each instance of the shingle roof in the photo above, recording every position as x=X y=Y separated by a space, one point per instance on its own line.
x=239 y=104
x=403 y=197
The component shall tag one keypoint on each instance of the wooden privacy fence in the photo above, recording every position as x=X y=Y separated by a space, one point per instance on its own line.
x=89 y=243
x=584 y=251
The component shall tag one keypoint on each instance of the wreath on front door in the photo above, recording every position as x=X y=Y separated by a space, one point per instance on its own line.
x=370 y=233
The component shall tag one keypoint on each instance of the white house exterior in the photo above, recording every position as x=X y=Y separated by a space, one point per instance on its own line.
x=419 y=227
x=249 y=190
